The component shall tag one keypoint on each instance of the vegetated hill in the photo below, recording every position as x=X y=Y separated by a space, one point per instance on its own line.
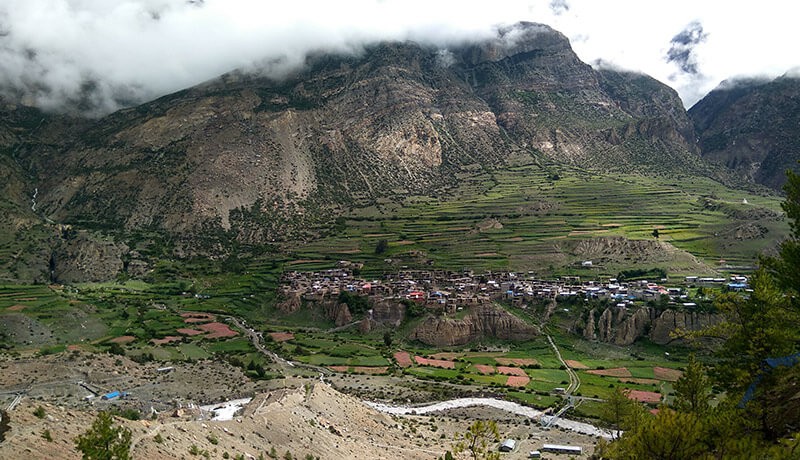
x=32 y=247
x=246 y=160
x=752 y=127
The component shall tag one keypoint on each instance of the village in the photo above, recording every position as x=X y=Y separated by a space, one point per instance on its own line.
x=451 y=291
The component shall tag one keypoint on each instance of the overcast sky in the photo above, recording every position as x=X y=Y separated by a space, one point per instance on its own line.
x=109 y=53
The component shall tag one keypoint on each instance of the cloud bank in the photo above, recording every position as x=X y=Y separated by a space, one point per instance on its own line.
x=98 y=55
x=95 y=56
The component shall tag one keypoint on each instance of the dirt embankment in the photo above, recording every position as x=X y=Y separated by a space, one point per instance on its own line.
x=620 y=250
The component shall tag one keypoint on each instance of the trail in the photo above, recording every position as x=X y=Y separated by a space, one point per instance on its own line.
x=255 y=338
x=574 y=380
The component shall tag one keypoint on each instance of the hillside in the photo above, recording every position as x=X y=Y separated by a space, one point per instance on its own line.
x=751 y=127
x=251 y=160
x=302 y=417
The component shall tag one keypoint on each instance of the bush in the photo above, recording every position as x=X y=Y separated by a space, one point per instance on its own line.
x=382 y=246
x=39 y=412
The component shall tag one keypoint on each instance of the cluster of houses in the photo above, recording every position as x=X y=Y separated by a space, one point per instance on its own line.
x=459 y=289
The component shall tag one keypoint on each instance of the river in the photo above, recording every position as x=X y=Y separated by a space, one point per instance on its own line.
x=508 y=406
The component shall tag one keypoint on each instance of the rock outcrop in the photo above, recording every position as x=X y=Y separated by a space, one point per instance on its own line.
x=341 y=315
x=388 y=313
x=83 y=258
x=482 y=323
x=338 y=312
x=621 y=326
x=668 y=322
x=291 y=303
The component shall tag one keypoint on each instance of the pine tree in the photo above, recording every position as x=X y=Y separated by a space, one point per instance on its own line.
x=756 y=327
x=692 y=390
x=477 y=439
x=621 y=412
x=104 y=441
x=670 y=435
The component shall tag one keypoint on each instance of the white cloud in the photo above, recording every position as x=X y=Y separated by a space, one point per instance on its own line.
x=128 y=51
x=743 y=38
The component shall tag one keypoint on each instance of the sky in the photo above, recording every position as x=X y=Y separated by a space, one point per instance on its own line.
x=99 y=55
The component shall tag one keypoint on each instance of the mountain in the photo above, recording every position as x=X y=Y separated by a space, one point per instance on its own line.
x=246 y=165
x=247 y=160
x=752 y=127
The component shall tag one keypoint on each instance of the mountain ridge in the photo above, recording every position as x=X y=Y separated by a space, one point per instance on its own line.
x=391 y=120
x=243 y=163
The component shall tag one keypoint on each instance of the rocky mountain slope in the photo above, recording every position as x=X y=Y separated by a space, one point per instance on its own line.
x=752 y=127
x=247 y=160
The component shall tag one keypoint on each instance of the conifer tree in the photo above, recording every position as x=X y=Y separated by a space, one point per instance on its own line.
x=692 y=390
x=104 y=441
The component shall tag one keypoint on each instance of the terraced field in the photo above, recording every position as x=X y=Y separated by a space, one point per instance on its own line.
x=533 y=218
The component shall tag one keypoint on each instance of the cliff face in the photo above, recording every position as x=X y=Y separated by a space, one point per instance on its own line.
x=621 y=326
x=339 y=313
x=388 y=313
x=481 y=323
x=670 y=321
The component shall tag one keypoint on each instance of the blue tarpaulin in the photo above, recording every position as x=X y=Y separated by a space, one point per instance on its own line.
x=766 y=366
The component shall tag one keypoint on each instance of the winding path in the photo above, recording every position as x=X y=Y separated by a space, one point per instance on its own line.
x=574 y=380
x=255 y=338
